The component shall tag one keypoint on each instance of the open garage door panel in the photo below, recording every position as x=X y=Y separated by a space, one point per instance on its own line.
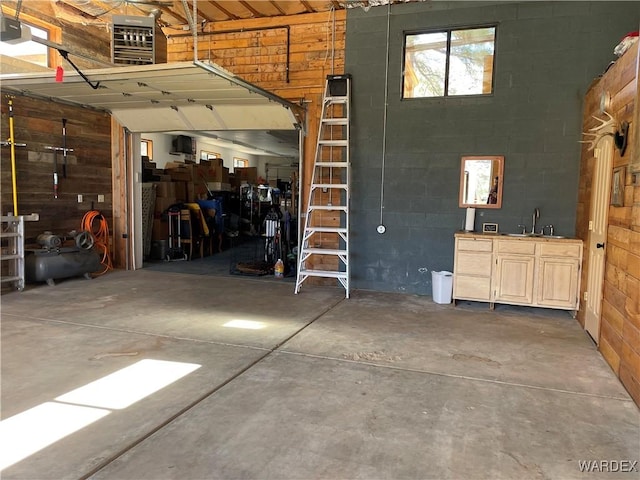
x=183 y=96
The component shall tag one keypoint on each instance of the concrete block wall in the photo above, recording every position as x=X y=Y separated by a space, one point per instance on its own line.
x=547 y=55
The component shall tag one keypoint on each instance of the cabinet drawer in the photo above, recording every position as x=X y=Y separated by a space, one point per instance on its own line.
x=522 y=247
x=472 y=288
x=560 y=249
x=473 y=263
x=475 y=245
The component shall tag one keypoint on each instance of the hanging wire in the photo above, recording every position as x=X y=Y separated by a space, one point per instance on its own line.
x=384 y=121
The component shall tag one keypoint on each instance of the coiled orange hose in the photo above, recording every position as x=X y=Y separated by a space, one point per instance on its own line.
x=100 y=236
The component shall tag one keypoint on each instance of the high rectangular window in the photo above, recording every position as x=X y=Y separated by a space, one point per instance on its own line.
x=449 y=62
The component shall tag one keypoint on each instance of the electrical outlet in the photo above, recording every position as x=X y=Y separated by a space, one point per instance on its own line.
x=79 y=198
x=100 y=198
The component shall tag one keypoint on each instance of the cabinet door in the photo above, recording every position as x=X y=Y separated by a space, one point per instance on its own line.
x=514 y=279
x=558 y=282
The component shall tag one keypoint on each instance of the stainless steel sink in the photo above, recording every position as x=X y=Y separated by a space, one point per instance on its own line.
x=532 y=235
x=519 y=234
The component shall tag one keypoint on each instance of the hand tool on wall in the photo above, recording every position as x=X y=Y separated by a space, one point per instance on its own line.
x=64 y=151
x=64 y=147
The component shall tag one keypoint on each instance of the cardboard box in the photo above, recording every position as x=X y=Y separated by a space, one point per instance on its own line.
x=181 y=191
x=209 y=171
x=162 y=203
x=219 y=186
x=166 y=189
x=246 y=174
x=184 y=174
x=160 y=229
x=191 y=192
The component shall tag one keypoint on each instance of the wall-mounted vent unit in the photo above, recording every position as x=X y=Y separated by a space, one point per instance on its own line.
x=136 y=40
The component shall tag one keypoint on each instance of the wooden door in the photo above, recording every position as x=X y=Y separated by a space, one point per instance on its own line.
x=596 y=245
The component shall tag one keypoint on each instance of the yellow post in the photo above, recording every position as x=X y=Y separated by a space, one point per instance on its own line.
x=12 y=144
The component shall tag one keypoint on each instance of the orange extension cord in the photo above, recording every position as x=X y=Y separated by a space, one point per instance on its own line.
x=100 y=236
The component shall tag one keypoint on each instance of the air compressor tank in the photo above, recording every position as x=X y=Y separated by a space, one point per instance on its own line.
x=48 y=266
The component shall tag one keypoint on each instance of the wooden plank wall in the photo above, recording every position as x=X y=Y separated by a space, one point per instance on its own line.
x=256 y=51
x=619 y=340
x=39 y=125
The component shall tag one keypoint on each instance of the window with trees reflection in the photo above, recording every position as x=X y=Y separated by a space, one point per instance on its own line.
x=449 y=62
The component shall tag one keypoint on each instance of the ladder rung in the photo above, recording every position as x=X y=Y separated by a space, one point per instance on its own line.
x=11 y=256
x=332 y=164
x=328 y=207
x=334 y=143
x=310 y=230
x=335 y=121
x=323 y=273
x=9 y=234
x=329 y=185
x=325 y=251
x=341 y=99
x=9 y=279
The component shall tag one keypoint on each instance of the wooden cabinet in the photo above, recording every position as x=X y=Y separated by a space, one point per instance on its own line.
x=473 y=265
x=515 y=262
x=558 y=275
x=514 y=279
x=533 y=271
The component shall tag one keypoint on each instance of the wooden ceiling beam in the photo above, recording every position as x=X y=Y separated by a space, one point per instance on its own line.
x=225 y=11
x=173 y=14
x=278 y=7
x=307 y=7
x=253 y=11
x=202 y=14
x=75 y=10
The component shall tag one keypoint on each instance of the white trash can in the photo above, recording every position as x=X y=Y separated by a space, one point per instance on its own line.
x=442 y=286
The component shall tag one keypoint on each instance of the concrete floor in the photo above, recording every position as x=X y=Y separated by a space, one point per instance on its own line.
x=377 y=386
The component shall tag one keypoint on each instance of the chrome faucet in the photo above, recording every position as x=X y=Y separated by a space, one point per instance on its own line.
x=536 y=215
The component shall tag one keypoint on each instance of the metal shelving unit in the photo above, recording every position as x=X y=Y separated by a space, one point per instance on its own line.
x=12 y=250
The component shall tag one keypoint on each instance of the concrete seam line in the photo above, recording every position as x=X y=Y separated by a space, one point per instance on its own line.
x=200 y=399
x=462 y=377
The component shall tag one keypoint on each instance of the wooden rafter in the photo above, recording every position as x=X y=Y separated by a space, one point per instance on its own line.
x=170 y=12
x=277 y=7
x=202 y=14
x=74 y=10
x=253 y=11
x=308 y=7
x=225 y=11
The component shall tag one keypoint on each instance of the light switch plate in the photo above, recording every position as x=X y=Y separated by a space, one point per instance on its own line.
x=100 y=198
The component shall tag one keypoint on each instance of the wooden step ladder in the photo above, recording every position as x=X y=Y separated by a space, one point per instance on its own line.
x=324 y=250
